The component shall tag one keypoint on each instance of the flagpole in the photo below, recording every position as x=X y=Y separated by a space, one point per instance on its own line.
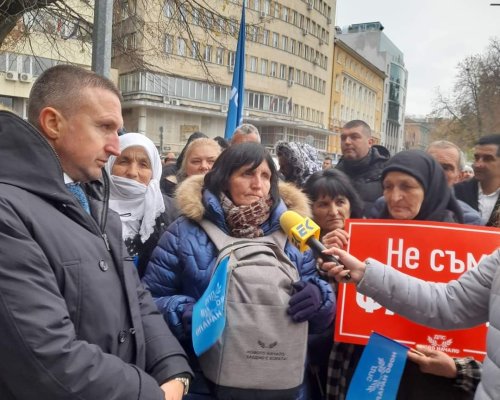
x=237 y=100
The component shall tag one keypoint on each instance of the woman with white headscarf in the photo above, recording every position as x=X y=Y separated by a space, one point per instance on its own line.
x=136 y=196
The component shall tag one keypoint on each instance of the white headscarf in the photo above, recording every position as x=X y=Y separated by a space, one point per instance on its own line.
x=138 y=205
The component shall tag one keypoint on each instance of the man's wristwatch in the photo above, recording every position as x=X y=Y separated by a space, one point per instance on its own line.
x=184 y=380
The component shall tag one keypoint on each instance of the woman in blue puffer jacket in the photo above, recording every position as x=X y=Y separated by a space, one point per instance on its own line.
x=242 y=197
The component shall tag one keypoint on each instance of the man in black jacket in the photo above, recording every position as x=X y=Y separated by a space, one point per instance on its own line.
x=483 y=191
x=76 y=322
x=362 y=161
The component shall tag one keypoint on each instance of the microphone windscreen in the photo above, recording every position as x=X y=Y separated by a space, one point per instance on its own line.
x=289 y=219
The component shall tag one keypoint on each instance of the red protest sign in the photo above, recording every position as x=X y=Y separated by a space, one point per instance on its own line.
x=433 y=251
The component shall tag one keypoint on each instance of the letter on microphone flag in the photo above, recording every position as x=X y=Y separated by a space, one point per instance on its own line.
x=379 y=370
x=237 y=100
x=209 y=312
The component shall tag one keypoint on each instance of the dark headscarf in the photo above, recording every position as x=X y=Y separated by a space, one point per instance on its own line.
x=439 y=202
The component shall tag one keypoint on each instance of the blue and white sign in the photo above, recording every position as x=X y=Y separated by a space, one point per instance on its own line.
x=379 y=370
x=209 y=313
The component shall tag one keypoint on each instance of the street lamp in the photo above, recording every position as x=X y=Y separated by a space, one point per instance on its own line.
x=161 y=139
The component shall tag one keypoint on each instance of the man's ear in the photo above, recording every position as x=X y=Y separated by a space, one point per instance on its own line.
x=50 y=121
x=370 y=141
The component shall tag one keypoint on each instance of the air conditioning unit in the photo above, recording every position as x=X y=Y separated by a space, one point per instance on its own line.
x=223 y=108
x=24 y=77
x=262 y=15
x=304 y=32
x=309 y=6
x=230 y=68
x=11 y=75
x=175 y=102
x=166 y=99
x=315 y=61
x=328 y=20
x=290 y=82
x=321 y=42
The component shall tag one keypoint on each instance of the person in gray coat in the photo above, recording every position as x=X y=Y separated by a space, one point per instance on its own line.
x=471 y=300
x=76 y=322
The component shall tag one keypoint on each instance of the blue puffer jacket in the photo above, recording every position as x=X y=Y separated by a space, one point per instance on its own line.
x=181 y=265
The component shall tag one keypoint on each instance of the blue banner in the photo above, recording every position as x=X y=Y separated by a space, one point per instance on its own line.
x=379 y=370
x=237 y=100
x=209 y=312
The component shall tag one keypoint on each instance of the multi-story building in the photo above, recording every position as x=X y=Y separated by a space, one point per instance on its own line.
x=368 y=40
x=51 y=40
x=185 y=86
x=357 y=93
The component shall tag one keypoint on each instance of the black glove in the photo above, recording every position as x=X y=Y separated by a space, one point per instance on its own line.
x=187 y=318
x=305 y=302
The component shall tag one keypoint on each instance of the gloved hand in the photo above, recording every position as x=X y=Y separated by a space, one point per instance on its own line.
x=305 y=302
x=187 y=318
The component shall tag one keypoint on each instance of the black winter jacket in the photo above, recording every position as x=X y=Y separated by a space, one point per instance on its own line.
x=365 y=174
x=75 y=321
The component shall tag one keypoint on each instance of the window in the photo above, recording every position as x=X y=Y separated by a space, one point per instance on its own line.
x=208 y=54
x=276 y=10
x=169 y=44
x=263 y=67
x=196 y=16
x=292 y=46
x=285 y=14
x=265 y=37
x=256 y=5
x=282 y=71
x=274 y=67
x=219 y=56
x=253 y=64
x=230 y=58
x=275 y=39
x=284 y=43
x=168 y=9
x=181 y=47
x=294 y=18
x=267 y=7
x=195 y=49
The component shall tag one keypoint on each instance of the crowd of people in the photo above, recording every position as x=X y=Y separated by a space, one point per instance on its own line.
x=106 y=251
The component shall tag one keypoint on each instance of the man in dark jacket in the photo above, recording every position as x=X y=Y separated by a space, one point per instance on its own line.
x=483 y=191
x=76 y=322
x=362 y=161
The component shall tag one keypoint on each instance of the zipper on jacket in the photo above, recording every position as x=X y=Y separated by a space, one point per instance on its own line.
x=106 y=241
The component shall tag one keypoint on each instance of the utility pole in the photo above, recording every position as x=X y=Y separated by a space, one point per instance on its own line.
x=101 y=37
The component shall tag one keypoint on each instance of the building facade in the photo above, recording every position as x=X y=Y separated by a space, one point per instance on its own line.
x=185 y=85
x=357 y=93
x=368 y=40
x=417 y=133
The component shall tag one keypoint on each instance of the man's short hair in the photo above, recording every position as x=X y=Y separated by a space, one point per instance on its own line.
x=357 y=122
x=327 y=158
x=60 y=87
x=490 y=139
x=445 y=144
x=247 y=129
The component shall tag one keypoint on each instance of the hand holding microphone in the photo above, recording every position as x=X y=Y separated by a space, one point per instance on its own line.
x=304 y=233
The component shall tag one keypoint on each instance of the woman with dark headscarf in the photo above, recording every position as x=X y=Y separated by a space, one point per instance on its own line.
x=415 y=187
x=297 y=161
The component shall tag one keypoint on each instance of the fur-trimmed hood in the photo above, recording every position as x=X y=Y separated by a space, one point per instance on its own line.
x=192 y=204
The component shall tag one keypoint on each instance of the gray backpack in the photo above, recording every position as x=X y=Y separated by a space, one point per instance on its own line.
x=261 y=348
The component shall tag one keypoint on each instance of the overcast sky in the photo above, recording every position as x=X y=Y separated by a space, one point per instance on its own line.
x=434 y=35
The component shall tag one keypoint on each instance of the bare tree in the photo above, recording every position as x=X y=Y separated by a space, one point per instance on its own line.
x=471 y=109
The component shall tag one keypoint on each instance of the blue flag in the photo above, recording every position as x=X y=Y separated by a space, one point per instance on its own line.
x=379 y=370
x=237 y=100
x=209 y=313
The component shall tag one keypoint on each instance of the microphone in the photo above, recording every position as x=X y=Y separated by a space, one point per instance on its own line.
x=304 y=234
